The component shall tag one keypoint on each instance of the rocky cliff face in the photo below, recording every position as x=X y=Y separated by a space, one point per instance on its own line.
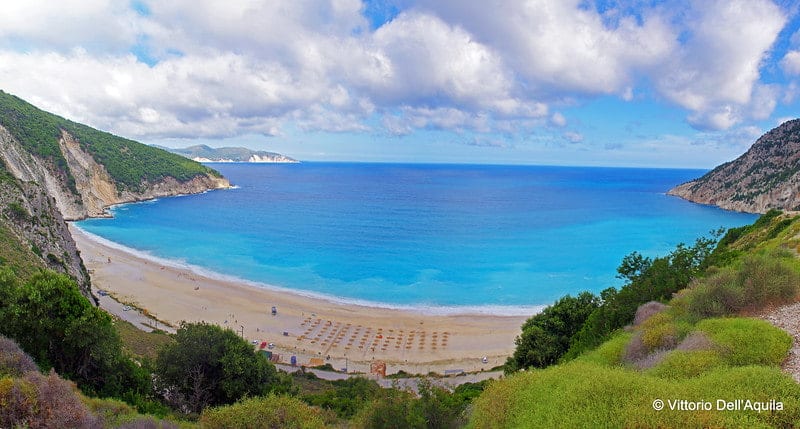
x=36 y=203
x=766 y=176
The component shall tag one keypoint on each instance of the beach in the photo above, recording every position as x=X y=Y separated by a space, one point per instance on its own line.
x=314 y=330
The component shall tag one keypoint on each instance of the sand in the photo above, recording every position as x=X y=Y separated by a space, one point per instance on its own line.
x=309 y=328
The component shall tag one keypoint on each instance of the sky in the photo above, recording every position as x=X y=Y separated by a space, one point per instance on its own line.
x=639 y=83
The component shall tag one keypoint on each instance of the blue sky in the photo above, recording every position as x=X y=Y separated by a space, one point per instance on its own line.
x=567 y=82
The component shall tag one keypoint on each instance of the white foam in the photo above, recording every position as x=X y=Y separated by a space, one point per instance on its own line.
x=426 y=309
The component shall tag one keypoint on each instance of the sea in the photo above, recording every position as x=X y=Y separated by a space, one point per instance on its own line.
x=436 y=238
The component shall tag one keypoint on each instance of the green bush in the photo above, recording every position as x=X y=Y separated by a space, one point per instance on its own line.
x=264 y=412
x=60 y=329
x=208 y=365
x=744 y=341
x=580 y=394
x=610 y=352
x=347 y=397
x=655 y=280
x=546 y=336
x=759 y=280
x=38 y=401
x=679 y=364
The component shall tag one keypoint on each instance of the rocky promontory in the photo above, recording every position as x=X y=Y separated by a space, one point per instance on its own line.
x=53 y=170
x=767 y=176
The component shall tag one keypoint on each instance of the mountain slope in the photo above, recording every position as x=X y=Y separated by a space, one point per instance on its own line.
x=53 y=169
x=86 y=170
x=203 y=153
x=766 y=176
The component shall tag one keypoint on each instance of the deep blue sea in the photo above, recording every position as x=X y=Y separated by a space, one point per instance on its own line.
x=503 y=238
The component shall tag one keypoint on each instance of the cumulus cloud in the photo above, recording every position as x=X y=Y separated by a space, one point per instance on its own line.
x=218 y=69
x=716 y=70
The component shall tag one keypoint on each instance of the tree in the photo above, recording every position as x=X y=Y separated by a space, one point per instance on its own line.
x=208 y=365
x=61 y=329
x=547 y=336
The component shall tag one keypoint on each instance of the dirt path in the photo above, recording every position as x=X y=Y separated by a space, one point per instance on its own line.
x=787 y=317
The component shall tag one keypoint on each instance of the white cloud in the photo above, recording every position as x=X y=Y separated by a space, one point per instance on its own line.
x=96 y=25
x=252 y=66
x=791 y=63
x=573 y=136
x=715 y=72
x=559 y=46
x=558 y=120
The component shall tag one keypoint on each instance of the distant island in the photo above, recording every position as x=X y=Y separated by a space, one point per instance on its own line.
x=203 y=153
x=765 y=177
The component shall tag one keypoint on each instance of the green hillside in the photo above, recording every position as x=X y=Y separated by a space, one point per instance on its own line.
x=128 y=162
x=700 y=347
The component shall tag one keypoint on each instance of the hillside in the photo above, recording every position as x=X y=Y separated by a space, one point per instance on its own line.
x=766 y=176
x=702 y=347
x=203 y=153
x=54 y=170
x=698 y=359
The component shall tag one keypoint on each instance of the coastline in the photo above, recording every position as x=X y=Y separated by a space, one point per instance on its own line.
x=353 y=335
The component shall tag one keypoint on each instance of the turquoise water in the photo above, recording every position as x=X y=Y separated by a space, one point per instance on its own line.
x=493 y=238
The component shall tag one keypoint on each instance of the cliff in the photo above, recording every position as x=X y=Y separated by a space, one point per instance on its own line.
x=766 y=176
x=53 y=170
x=203 y=153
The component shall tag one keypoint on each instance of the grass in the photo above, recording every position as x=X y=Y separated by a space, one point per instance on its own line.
x=138 y=343
x=16 y=255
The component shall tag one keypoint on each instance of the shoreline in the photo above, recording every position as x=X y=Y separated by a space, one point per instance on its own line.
x=425 y=310
x=343 y=334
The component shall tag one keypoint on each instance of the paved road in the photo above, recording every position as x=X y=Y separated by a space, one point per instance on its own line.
x=410 y=383
x=131 y=315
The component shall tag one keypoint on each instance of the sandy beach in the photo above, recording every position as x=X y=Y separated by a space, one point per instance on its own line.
x=308 y=328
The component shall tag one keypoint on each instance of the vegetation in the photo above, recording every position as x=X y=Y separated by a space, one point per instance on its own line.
x=695 y=346
x=572 y=326
x=264 y=412
x=129 y=163
x=17 y=256
x=345 y=397
x=547 y=336
x=208 y=365
x=140 y=344
x=581 y=394
x=60 y=329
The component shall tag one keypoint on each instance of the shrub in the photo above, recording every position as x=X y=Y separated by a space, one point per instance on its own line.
x=393 y=409
x=546 y=336
x=13 y=361
x=768 y=279
x=39 y=401
x=683 y=364
x=745 y=341
x=714 y=296
x=347 y=396
x=647 y=310
x=264 y=412
x=209 y=365
x=609 y=353
x=580 y=394
x=659 y=332
x=59 y=328
x=696 y=341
